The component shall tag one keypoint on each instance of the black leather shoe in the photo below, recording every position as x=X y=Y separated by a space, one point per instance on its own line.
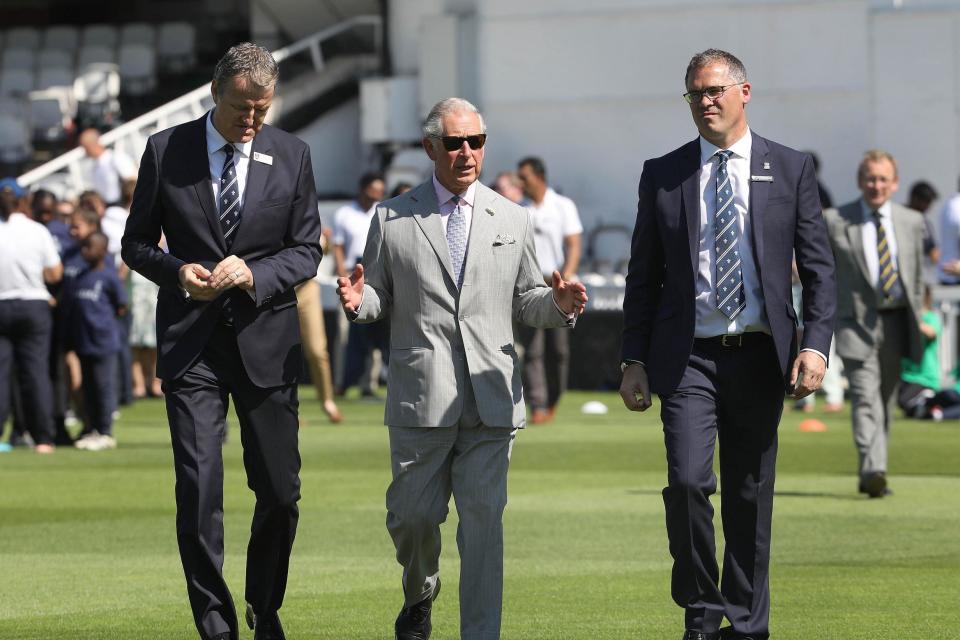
x=875 y=485
x=413 y=623
x=700 y=635
x=265 y=626
x=222 y=636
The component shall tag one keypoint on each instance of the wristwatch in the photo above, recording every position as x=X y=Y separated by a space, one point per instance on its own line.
x=626 y=363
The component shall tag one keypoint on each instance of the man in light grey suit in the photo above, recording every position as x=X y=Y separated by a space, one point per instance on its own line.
x=453 y=264
x=878 y=246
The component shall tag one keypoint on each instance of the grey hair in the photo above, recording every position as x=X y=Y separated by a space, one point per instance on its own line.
x=247 y=60
x=734 y=67
x=433 y=125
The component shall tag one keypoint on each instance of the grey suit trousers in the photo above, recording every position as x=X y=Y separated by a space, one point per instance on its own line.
x=873 y=386
x=469 y=460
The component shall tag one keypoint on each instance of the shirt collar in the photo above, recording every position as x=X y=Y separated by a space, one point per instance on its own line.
x=741 y=148
x=885 y=211
x=444 y=194
x=215 y=141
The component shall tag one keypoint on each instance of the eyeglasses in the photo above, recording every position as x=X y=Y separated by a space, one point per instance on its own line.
x=714 y=93
x=452 y=143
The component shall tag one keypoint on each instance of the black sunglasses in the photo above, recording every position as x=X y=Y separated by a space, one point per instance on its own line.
x=452 y=143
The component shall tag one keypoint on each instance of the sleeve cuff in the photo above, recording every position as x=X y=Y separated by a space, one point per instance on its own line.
x=816 y=352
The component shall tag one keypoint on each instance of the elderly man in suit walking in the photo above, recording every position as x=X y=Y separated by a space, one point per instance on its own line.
x=878 y=246
x=235 y=199
x=709 y=325
x=453 y=264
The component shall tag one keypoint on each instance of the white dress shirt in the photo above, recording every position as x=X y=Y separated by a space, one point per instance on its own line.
x=444 y=196
x=217 y=157
x=869 y=234
x=710 y=322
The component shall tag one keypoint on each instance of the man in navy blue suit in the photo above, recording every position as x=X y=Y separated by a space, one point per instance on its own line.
x=709 y=327
x=236 y=202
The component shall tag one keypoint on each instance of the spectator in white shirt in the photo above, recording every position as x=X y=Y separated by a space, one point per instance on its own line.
x=106 y=168
x=558 y=232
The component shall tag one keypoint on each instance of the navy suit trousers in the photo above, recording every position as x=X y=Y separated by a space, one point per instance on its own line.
x=732 y=396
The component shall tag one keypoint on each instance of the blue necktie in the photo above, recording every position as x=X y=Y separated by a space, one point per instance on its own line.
x=729 y=278
x=229 y=203
x=457 y=239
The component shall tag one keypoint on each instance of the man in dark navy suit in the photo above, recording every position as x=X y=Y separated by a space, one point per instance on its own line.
x=709 y=327
x=236 y=202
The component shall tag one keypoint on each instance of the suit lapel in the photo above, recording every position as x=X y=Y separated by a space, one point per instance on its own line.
x=257 y=175
x=759 y=192
x=199 y=169
x=690 y=199
x=901 y=230
x=482 y=230
x=852 y=216
x=427 y=215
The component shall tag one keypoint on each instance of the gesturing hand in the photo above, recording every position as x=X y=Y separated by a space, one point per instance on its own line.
x=571 y=297
x=350 y=290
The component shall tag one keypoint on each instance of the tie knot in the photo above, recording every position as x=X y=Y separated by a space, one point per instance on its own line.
x=724 y=154
x=228 y=149
x=455 y=201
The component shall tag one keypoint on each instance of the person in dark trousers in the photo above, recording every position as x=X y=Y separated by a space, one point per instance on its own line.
x=236 y=202
x=709 y=326
x=91 y=303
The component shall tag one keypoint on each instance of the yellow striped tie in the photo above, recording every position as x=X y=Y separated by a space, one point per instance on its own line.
x=888 y=273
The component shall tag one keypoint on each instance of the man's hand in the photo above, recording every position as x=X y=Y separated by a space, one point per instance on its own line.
x=571 y=297
x=952 y=268
x=231 y=272
x=635 y=389
x=194 y=278
x=350 y=290
x=807 y=374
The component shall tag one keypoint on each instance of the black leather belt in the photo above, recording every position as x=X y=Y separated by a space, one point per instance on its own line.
x=734 y=340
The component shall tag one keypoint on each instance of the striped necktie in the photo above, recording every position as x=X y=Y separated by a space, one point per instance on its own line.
x=729 y=278
x=457 y=239
x=889 y=279
x=229 y=203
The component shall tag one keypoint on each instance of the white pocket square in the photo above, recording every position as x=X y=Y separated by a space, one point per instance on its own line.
x=504 y=238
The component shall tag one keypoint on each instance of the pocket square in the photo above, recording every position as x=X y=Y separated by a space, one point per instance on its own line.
x=503 y=238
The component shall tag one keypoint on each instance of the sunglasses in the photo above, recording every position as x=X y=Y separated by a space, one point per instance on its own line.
x=452 y=143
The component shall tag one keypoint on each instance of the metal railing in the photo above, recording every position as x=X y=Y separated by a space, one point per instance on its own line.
x=131 y=137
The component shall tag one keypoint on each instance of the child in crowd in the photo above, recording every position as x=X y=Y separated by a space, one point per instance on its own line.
x=91 y=302
x=920 y=395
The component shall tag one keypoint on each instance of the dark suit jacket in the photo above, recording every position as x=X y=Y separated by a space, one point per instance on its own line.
x=659 y=302
x=278 y=239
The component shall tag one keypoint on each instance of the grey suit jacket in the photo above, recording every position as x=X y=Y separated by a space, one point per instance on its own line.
x=857 y=329
x=440 y=338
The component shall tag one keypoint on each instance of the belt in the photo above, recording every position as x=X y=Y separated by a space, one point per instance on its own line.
x=734 y=340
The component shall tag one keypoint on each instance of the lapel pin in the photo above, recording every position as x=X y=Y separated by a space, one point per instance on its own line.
x=262 y=157
x=489 y=210
x=766 y=165
x=761 y=178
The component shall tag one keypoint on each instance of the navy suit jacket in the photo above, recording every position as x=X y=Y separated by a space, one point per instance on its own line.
x=659 y=301
x=278 y=238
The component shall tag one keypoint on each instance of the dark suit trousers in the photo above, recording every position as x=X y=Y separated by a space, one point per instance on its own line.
x=546 y=357
x=197 y=407
x=734 y=396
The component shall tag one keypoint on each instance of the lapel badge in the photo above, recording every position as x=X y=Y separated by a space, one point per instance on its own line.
x=489 y=210
x=766 y=165
x=262 y=157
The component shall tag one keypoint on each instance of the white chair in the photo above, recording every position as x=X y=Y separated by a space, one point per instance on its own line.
x=51 y=116
x=100 y=35
x=138 y=33
x=63 y=37
x=50 y=77
x=176 y=47
x=95 y=54
x=14 y=82
x=15 y=147
x=19 y=59
x=22 y=38
x=138 y=69
x=54 y=59
x=96 y=90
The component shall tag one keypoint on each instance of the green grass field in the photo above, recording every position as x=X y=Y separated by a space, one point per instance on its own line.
x=89 y=550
